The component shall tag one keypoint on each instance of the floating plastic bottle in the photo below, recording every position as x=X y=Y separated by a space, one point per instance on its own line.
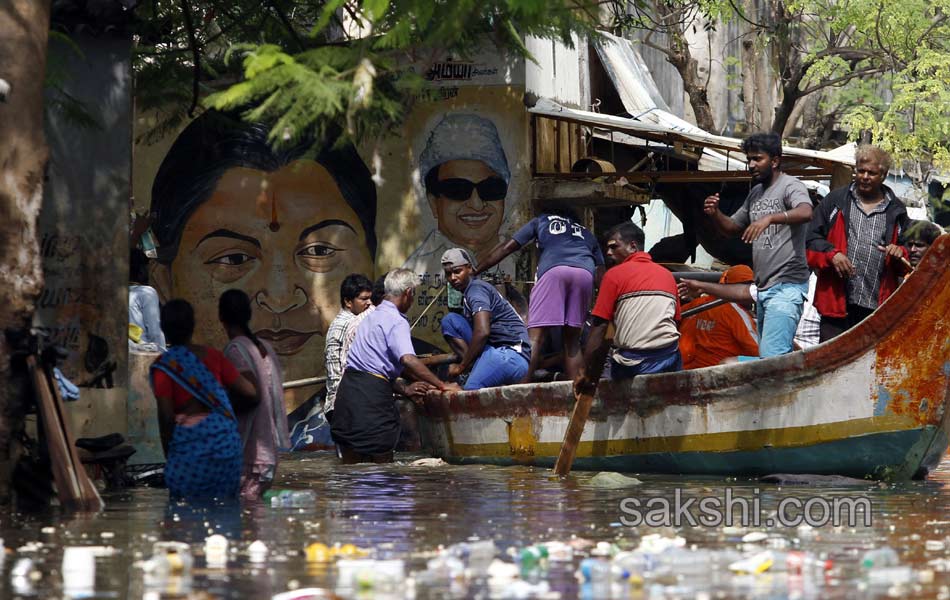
x=884 y=556
x=216 y=551
x=477 y=555
x=596 y=571
x=290 y=498
x=532 y=560
x=753 y=565
x=898 y=575
x=170 y=558
x=257 y=552
x=79 y=571
x=796 y=562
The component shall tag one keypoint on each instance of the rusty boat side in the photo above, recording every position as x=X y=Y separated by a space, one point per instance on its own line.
x=870 y=403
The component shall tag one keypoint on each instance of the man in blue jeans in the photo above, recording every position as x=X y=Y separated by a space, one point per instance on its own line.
x=774 y=219
x=491 y=338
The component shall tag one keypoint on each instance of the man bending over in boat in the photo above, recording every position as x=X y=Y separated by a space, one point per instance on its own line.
x=365 y=420
x=718 y=333
x=569 y=267
x=774 y=219
x=855 y=245
x=491 y=338
x=641 y=299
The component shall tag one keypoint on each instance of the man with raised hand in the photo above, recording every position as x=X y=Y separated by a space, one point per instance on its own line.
x=774 y=218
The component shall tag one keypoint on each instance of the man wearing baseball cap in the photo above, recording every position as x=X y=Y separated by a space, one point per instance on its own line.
x=491 y=338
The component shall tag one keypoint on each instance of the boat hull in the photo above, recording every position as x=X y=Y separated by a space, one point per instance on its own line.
x=869 y=404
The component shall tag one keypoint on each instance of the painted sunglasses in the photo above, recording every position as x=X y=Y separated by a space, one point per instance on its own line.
x=491 y=188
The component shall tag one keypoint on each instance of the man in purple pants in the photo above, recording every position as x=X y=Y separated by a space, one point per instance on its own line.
x=570 y=265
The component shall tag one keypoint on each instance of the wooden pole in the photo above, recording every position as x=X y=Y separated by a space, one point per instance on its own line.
x=426 y=309
x=702 y=308
x=426 y=359
x=73 y=486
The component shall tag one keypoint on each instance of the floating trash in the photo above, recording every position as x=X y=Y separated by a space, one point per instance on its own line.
x=610 y=480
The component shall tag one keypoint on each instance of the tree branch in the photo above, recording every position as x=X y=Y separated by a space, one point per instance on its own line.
x=287 y=24
x=843 y=79
x=747 y=20
x=195 y=54
x=661 y=49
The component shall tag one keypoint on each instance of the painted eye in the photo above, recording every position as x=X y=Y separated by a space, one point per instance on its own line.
x=318 y=251
x=231 y=260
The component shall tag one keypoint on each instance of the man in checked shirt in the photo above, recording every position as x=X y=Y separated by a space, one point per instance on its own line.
x=855 y=245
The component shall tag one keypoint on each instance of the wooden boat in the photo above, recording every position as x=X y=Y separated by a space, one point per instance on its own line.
x=871 y=403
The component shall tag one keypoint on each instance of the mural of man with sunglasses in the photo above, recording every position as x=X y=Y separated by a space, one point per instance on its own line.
x=465 y=175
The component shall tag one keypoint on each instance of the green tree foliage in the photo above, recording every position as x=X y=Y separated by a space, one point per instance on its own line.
x=913 y=119
x=879 y=66
x=328 y=67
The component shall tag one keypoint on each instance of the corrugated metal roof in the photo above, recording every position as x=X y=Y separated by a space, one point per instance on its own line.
x=672 y=134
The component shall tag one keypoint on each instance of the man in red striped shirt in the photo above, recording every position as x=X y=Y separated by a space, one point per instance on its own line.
x=641 y=299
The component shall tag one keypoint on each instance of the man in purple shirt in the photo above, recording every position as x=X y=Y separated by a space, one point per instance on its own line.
x=365 y=420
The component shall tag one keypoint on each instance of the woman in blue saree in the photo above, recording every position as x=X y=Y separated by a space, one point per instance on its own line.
x=196 y=419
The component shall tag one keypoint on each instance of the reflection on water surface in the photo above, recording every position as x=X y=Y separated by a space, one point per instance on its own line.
x=405 y=512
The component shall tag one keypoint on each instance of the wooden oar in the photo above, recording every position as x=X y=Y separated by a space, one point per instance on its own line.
x=575 y=427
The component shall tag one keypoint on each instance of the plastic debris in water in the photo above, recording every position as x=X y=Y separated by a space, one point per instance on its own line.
x=257 y=552
x=428 y=462
x=216 y=551
x=753 y=565
x=609 y=480
x=79 y=571
x=304 y=594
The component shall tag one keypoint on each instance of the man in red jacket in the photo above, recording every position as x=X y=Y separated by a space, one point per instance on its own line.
x=854 y=245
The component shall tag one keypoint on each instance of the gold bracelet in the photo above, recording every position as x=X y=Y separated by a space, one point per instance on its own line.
x=785 y=212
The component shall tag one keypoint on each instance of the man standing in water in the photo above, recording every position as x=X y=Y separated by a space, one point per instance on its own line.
x=365 y=420
x=774 y=218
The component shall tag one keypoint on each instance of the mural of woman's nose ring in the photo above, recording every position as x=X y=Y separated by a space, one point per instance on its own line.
x=299 y=299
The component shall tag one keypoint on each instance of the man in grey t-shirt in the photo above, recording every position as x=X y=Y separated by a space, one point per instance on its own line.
x=774 y=219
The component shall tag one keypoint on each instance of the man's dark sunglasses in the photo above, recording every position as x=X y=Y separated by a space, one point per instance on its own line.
x=492 y=188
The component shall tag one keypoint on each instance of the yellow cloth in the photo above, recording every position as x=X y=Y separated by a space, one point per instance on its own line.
x=135 y=333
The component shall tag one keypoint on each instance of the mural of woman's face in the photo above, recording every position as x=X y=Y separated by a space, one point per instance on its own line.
x=287 y=238
x=469 y=203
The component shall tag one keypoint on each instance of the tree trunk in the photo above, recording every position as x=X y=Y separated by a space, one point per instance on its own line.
x=813 y=122
x=698 y=98
x=694 y=86
x=24 y=29
x=790 y=95
x=678 y=54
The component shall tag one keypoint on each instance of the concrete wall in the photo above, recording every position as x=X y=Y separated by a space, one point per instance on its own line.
x=471 y=111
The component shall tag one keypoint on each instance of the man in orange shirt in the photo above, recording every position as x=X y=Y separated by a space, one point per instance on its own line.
x=726 y=331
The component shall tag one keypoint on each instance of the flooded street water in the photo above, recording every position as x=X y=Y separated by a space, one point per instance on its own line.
x=405 y=512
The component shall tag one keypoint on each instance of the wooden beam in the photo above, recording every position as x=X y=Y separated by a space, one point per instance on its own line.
x=586 y=192
x=679 y=176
